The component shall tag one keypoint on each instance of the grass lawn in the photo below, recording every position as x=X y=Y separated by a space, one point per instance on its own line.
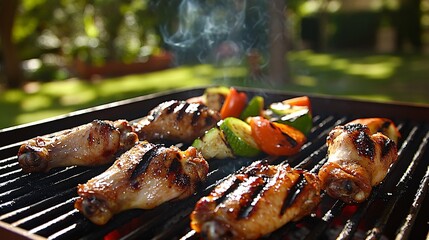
x=374 y=77
x=403 y=78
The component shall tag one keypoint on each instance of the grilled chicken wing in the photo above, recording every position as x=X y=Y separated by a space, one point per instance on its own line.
x=357 y=161
x=95 y=143
x=256 y=201
x=144 y=177
x=383 y=125
x=176 y=121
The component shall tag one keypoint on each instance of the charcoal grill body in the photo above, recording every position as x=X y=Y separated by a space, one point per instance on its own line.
x=40 y=205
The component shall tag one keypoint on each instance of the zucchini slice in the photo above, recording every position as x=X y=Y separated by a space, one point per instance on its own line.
x=239 y=136
x=213 y=145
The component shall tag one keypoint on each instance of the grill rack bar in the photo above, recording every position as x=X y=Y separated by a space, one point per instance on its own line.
x=401 y=186
x=406 y=226
x=311 y=158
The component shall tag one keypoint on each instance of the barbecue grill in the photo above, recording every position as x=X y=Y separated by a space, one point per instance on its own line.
x=40 y=205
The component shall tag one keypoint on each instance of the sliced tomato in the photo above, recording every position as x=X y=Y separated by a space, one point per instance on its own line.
x=303 y=101
x=276 y=138
x=234 y=104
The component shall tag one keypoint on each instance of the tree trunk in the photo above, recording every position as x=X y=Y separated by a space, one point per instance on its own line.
x=323 y=30
x=12 y=69
x=278 y=68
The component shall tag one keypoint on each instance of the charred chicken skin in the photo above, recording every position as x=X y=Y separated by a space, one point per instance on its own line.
x=100 y=142
x=382 y=125
x=256 y=201
x=144 y=177
x=95 y=143
x=176 y=121
x=357 y=161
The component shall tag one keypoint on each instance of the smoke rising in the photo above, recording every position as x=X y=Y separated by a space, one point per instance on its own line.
x=215 y=32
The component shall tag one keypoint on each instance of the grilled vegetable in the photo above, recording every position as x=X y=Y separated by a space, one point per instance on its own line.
x=213 y=145
x=280 y=108
x=234 y=104
x=276 y=138
x=254 y=108
x=239 y=136
x=297 y=117
x=302 y=101
x=217 y=90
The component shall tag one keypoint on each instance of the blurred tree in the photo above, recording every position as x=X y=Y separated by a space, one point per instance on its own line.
x=12 y=68
x=93 y=31
x=279 y=71
x=407 y=22
x=116 y=31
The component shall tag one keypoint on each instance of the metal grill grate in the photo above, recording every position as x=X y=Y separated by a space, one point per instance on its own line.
x=41 y=205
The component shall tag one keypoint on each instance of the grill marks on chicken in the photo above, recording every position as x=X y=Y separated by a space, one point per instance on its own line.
x=382 y=125
x=144 y=177
x=100 y=142
x=256 y=201
x=95 y=143
x=357 y=160
x=176 y=121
